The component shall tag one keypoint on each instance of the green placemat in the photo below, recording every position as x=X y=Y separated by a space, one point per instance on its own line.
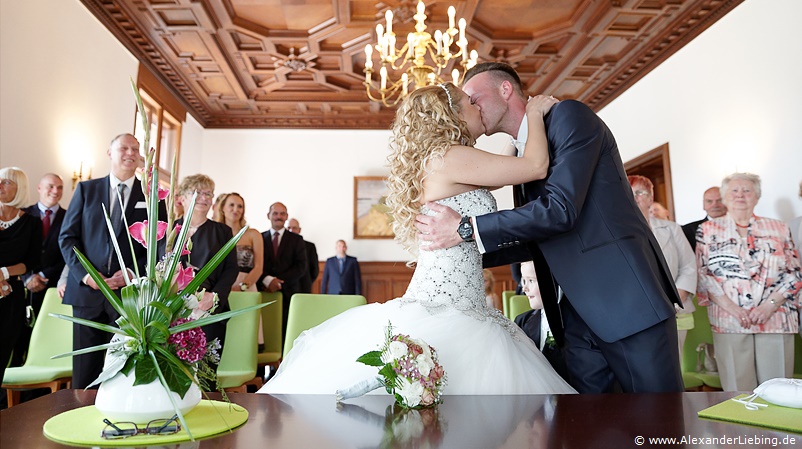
x=82 y=426
x=773 y=416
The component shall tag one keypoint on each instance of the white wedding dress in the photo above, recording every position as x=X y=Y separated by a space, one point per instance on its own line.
x=481 y=351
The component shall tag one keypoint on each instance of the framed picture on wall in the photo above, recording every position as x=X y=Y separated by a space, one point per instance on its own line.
x=371 y=214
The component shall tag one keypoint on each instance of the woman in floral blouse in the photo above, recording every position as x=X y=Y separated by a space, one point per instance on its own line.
x=749 y=275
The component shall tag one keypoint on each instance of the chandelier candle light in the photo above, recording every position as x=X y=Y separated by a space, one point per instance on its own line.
x=413 y=56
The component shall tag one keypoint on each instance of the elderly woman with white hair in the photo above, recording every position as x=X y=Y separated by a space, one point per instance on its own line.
x=20 y=251
x=749 y=275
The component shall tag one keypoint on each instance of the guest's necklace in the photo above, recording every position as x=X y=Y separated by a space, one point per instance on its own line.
x=742 y=226
x=7 y=224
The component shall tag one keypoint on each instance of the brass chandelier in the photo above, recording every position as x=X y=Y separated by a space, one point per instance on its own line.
x=413 y=57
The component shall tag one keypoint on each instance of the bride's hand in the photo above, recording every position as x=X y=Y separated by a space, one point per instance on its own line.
x=540 y=105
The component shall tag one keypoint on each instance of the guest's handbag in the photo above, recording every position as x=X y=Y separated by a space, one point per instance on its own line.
x=779 y=391
x=706 y=358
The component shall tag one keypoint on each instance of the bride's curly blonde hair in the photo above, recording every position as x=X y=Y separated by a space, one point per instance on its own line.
x=426 y=125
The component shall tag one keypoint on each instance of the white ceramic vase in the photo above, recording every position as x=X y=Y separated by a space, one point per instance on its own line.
x=118 y=399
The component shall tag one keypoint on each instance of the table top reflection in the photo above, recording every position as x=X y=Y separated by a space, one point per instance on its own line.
x=460 y=422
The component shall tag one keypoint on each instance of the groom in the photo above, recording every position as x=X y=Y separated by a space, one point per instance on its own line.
x=584 y=231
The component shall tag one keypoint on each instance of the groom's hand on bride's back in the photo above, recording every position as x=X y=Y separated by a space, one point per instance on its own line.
x=440 y=230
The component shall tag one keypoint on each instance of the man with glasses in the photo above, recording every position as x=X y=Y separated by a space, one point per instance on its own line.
x=84 y=228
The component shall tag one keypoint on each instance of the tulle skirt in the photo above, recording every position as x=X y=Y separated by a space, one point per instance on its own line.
x=479 y=356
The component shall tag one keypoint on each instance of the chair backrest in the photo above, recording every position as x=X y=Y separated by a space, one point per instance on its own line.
x=518 y=305
x=309 y=310
x=701 y=333
x=271 y=327
x=50 y=335
x=505 y=301
x=239 y=351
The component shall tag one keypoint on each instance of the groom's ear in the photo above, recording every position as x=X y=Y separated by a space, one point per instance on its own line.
x=506 y=90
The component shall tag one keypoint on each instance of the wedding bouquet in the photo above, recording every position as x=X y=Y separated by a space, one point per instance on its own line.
x=158 y=335
x=409 y=371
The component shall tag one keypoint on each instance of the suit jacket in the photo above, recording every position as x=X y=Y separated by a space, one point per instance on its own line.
x=690 y=231
x=84 y=228
x=291 y=264
x=314 y=268
x=52 y=262
x=583 y=225
x=349 y=282
x=529 y=322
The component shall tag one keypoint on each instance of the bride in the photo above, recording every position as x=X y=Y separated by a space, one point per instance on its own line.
x=482 y=352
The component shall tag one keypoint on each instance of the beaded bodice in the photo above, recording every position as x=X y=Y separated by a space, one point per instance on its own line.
x=451 y=278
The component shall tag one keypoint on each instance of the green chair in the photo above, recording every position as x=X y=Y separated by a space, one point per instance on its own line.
x=518 y=304
x=505 y=301
x=308 y=310
x=238 y=360
x=50 y=336
x=271 y=330
x=701 y=333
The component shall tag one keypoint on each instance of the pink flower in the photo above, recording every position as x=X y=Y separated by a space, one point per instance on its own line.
x=139 y=231
x=190 y=345
x=184 y=276
x=184 y=250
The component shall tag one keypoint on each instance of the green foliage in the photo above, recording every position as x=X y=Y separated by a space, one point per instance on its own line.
x=372 y=358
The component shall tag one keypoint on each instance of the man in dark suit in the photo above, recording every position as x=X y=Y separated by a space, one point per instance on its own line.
x=341 y=275
x=311 y=258
x=711 y=202
x=581 y=226
x=284 y=260
x=50 y=188
x=534 y=323
x=85 y=229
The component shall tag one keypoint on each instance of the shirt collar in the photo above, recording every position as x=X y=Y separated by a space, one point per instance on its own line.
x=42 y=208
x=523 y=133
x=128 y=182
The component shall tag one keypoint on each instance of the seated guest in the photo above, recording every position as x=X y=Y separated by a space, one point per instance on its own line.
x=208 y=237
x=749 y=277
x=534 y=323
x=341 y=275
x=677 y=252
x=490 y=289
x=711 y=203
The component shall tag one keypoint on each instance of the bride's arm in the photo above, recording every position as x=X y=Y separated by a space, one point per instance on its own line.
x=467 y=165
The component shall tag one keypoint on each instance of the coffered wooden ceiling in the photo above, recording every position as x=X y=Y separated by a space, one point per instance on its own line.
x=299 y=63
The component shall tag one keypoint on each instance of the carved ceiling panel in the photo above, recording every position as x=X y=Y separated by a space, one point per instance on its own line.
x=299 y=63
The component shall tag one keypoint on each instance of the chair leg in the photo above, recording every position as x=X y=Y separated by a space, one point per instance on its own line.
x=13 y=397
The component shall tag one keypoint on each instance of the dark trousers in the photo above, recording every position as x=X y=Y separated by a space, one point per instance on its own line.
x=645 y=362
x=12 y=320
x=87 y=367
x=24 y=340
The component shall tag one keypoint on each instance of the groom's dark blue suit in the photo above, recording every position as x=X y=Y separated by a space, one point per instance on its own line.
x=584 y=231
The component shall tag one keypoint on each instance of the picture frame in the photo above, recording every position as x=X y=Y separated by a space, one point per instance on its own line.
x=372 y=219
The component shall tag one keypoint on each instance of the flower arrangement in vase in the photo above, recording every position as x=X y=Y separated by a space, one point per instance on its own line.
x=158 y=341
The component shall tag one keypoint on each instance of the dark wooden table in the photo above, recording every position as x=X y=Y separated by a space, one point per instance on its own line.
x=461 y=422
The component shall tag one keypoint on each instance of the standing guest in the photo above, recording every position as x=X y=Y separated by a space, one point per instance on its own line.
x=796 y=227
x=229 y=208
x=311 y=257
x=711 y=203
x=749 y=274
x=208 y=237
x=20 y=252
x=534 y=323
x=677 y=251
x=657 y=210
x=50 y=190
x=341 y=275
x=491 y=298
x=85 y=229
x=284 y=260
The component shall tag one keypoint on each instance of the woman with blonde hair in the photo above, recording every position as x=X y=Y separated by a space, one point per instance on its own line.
x=433 y=159
x=229 y=208
x=20 y=252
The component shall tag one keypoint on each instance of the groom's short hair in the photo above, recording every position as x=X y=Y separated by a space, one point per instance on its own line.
x=499 y=71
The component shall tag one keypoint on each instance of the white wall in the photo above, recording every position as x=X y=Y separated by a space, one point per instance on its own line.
x=60 y=104
x=729 y=101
